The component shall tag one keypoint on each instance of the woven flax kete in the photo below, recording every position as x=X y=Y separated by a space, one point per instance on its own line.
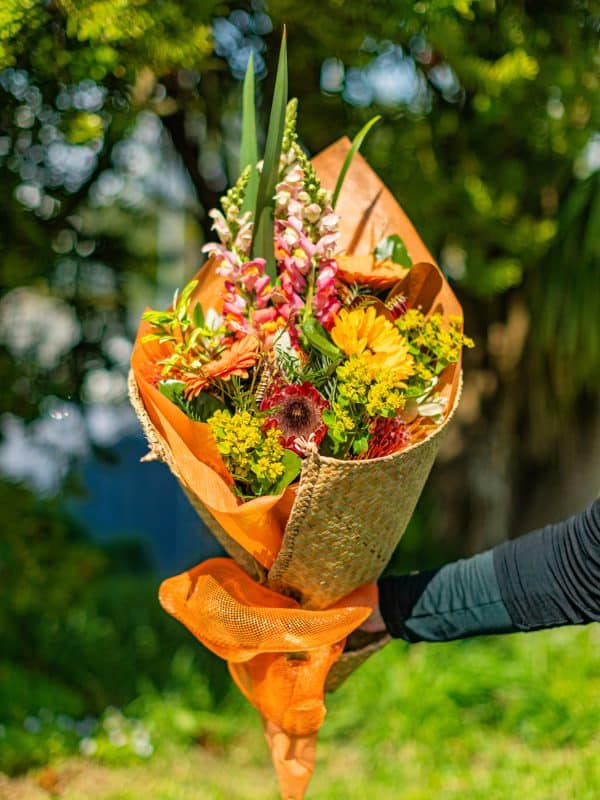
x=339 y=526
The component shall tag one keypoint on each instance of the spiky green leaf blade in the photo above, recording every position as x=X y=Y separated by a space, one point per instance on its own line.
x=263 y=239
x=248 y=144
x=355 y=147
x=183 y=299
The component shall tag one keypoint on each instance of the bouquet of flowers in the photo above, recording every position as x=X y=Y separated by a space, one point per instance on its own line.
x=297 y=387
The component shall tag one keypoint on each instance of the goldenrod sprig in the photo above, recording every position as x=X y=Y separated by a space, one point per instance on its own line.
x=255 y=457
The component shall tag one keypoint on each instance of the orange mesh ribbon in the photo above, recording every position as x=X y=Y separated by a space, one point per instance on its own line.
x=278 y=653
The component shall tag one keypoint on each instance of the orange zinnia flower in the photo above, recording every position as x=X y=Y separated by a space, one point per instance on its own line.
x=234 y=361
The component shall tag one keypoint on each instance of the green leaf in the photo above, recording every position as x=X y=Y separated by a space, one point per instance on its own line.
x=184 y=298
x=317 y=337
x=355 y=147
x=152 y=337
x=360 y=444
x=263 y=240
x=327 y=447
x=248 y=144
x=415 y=390
x=195 y=335
x=158 y=317
x=292 y=464
x=198 y=316
x=172 y=390
x=202 y=407
x=199 y=409
x=392 y=248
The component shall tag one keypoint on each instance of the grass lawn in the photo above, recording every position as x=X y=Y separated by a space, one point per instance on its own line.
x=501 y=719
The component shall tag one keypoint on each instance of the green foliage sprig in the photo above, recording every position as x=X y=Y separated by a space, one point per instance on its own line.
x=193 y=341
x=263 y=215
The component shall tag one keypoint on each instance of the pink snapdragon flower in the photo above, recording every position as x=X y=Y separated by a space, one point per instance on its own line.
x=247 y=306
x=306 y=235
x=229 y=262
x=243 y=237
x=326 y=302
x=294 y=252
x=220 y=225
x=235 y=238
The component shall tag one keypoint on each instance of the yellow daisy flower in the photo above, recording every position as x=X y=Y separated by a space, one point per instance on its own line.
x=362 y=332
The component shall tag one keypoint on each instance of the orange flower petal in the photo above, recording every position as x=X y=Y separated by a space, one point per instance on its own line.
x=242 y=355
x=366 y=270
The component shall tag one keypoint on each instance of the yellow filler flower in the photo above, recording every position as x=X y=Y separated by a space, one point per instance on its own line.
x=362 y=332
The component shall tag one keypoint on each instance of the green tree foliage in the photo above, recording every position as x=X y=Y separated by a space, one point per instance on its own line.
x=81 y=626
x=94 y=39
x=45 y=567
x=73 y=79
x=488 y=138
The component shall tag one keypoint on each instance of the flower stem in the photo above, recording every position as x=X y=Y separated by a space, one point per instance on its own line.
x=310 y=291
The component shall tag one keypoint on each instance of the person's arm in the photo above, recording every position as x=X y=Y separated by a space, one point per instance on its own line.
x=548 y=578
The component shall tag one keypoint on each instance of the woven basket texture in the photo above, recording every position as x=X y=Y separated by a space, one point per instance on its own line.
x=347 y=521
x=351 y=660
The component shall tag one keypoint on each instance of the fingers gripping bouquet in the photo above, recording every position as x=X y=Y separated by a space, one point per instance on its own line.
x=297 y=387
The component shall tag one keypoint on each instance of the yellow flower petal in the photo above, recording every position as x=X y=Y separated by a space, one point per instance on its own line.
x=362 y=331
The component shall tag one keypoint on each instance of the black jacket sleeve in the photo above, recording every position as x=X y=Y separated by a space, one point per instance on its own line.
x=548 y=578
x=552 y=577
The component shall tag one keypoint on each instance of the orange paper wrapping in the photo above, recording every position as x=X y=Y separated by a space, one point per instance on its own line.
x=256 y=525
x=282 y=674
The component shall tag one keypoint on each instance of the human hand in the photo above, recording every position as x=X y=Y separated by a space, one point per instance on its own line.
x=374 y=623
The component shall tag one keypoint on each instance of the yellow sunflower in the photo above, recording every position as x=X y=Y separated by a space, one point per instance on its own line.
x=362 y=332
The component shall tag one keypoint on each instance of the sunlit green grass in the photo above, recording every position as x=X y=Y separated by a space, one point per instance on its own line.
x=500 y=719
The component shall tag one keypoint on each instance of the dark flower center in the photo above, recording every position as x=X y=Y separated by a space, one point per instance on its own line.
x=298 y=413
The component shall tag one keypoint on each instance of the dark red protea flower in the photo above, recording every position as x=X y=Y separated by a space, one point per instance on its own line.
x=388 y=435
x=297 y=410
